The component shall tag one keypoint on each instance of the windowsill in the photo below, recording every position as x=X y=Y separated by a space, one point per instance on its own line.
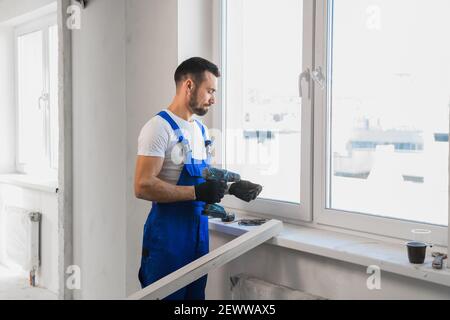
x=348 y=248
x=30 y=182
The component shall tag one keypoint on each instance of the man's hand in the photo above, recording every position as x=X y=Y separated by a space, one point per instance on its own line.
x=245 y=190
x=211 y=191
x=149 y=187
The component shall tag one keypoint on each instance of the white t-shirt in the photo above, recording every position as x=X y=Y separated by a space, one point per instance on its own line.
x=157 y=139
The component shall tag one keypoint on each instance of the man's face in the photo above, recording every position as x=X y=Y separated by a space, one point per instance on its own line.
x=203 y=95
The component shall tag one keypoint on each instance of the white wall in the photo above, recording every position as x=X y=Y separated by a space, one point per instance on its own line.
x=195 y=33
x=195 y=29
x=151 y=61
x=99 y=150
x=7 y=106
x=315 y=275
x=117 y=89
x=160 y=35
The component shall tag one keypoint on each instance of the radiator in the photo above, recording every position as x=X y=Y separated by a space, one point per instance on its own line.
x=22 y=240
x=244 y=287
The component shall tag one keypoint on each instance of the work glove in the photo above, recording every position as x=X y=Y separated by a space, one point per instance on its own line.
x=211 y=191
x=245 y=190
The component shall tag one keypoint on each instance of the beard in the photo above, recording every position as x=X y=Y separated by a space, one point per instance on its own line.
x=195 y=106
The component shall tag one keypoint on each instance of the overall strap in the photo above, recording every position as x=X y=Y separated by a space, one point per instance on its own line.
x=173 y=124
x=176 y=129
x=188 y=152
x=207 y=141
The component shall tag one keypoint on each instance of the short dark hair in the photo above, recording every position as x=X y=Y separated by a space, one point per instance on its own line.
x=195 y=67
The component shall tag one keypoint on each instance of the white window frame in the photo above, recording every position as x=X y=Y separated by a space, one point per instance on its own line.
x=314 y=141
x=291 y=211
x=40 y=24
x=389 y=227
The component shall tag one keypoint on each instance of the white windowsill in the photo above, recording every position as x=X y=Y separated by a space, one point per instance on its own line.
x=349 y=248
x=30 y=182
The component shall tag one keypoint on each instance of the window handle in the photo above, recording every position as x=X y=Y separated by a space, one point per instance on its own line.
x=318 y=77
x=305 y=75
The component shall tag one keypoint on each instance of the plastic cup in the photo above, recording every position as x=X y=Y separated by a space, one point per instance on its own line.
x=418 y=247
x=421 y=235
x=416 y=252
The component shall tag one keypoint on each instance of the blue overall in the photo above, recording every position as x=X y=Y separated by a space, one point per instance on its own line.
x=176 y=234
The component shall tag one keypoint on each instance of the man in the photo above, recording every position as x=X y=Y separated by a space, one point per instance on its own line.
x=172 y=153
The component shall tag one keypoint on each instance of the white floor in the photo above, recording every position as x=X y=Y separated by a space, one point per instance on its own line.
x=15 y=287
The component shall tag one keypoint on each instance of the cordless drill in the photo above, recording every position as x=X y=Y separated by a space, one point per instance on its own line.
x=216 y=211
x=214 y=174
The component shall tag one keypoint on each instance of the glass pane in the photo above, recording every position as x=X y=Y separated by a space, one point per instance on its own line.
x=263 y=113
x=53 y=77
x=30 y=89
x=389 y=109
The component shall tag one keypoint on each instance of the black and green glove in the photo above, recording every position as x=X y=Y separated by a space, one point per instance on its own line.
x=210 y=191
x=245 y=190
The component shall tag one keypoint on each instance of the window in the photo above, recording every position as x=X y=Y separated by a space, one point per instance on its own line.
x=37 y=97
x=390 y=115
x=379 y=85
x=383 y=123
x=263 y=47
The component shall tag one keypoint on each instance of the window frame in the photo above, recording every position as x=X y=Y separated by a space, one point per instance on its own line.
x=314 y=213
x=42 y=24
x=292 y=211
x=384 y=226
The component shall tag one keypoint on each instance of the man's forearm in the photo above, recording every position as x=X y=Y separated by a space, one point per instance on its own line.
x=155 y=189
